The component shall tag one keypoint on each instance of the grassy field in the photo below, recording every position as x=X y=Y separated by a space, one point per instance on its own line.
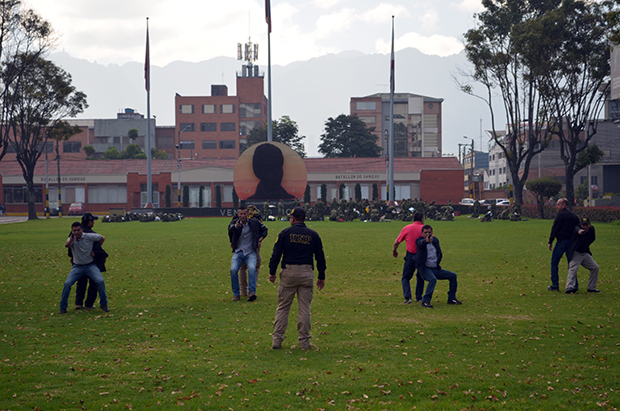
x=175 y=340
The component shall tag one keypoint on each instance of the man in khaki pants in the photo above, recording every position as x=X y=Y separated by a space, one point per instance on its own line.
x=296 y=246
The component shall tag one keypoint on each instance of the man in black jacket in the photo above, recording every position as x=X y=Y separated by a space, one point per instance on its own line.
x=246 y=236
x=562 y=230
x=578 y=253
x=297 y=246
x=428 y=259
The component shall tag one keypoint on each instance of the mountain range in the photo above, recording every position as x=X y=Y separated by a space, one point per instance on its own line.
x=308 y=91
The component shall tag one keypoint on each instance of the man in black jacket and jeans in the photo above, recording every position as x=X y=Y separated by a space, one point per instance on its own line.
x=562 y=230
x=428 y=261
x=246 y=235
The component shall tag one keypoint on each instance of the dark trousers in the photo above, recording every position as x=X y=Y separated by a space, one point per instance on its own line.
x=80 y=292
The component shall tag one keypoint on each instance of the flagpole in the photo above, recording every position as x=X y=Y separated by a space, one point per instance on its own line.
x=268 y=19
x=391 y=184
x=147 y=76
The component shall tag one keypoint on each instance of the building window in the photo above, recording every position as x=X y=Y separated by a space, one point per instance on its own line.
x=107 y=193
x=165 y=142
x=208 y=109
x=19 y=195
x=46 y=147
x=594 y=180
x=246 y=126
x=366 y=105
x=227 y=108
x=101 y=140
x=186 y=109
x=187 y=144
x=368 y=120
x=72 y=146
x=249 y=110
x=209 y=144
x=227 y=144
x=187 y=127
x=208 y=126
x=227 y=126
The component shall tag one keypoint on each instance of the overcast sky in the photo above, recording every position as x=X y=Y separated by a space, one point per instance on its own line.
x=113 y=31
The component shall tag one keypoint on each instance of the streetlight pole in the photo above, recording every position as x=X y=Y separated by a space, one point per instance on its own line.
x=179 y=166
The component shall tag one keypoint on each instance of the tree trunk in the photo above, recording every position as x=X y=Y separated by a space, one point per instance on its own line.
x=570 y=187
x=32 y=211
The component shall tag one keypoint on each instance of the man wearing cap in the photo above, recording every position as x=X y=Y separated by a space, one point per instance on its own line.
x=81 y=245
x=578 y=253
x=562 y=230
x=297 y=246
x=99 y=255
x=246 y=235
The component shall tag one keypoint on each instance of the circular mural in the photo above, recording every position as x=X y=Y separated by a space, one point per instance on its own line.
x=270 y=171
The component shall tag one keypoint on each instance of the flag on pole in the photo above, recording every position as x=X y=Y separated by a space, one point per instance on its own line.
x=147 y=61
x=268 y=14
x=392 y=61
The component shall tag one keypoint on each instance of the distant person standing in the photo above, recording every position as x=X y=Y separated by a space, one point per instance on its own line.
x=409 y=234
x=578 y=253
x=246 y=235
x=2 y=210
x=298 y=246
x=81 y=245
x=562 y=231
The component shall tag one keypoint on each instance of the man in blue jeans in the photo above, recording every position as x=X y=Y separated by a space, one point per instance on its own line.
x=562 y=231
x=246 y=235
x=81 y=245
x=428 y=261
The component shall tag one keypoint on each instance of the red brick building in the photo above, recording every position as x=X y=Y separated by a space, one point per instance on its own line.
x=106 y=184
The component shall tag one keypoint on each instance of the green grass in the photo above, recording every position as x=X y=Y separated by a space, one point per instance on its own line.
x=175 y=340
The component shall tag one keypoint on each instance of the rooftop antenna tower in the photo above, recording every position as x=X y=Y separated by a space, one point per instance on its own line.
x=248 y=52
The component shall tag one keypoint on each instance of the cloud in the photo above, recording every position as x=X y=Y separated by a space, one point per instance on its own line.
x=432 y=45
x=470 y=6
x=384 y=12
x=325 y=4
x=333 y=23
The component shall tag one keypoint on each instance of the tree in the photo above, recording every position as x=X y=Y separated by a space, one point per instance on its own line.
x=133 y=151
x=358 y=192
x=543 y=189
x=324 y=192
x=111 y=154
x=568 y=53
x=499 y=68
x=235 y=198
x=185 y=196
x=348 y=136
x=375 y=192
x=132 y=134
x=341 y=191
x=307 y=195
x=89 y=150
x=201 y=200
x=218 y=196
x=284 y=131
x=41 y=97
x=158 y=154
x=168 y=195
x=22 y=31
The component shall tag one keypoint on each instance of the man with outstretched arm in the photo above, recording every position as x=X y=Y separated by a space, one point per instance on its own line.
x=578 y=253
x=81 y=245
x=297 y=246
x=409 y=234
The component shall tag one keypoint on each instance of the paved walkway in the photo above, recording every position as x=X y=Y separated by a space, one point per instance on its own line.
x=11 y=219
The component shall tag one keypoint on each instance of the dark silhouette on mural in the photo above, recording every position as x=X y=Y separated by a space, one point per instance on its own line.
x=267 y=163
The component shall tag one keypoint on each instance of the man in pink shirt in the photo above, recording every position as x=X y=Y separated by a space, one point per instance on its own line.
x=409 y=234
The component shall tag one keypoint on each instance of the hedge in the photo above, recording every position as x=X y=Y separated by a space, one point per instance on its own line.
x=599 y=214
